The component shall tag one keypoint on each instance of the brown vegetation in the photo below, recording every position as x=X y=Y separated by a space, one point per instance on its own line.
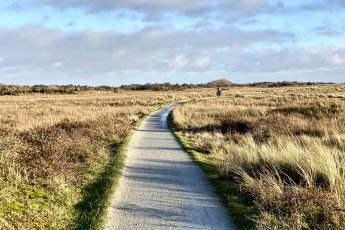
x=52 y=147
x=284 y=147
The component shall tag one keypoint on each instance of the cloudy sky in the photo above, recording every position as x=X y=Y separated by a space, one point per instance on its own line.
x=114 y=42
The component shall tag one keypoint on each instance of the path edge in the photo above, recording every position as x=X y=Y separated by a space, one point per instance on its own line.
x=239 y=209
x=121 y=151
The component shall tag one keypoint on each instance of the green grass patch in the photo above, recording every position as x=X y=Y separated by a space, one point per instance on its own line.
x=92 y=210
x=240 y=208
x=31 y=204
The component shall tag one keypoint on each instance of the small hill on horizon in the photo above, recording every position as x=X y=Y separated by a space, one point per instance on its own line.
x=220 y=83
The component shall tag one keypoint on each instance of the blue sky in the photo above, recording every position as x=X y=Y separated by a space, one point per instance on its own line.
x=108 y=42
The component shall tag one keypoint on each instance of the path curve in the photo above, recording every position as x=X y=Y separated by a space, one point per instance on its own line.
x=161 y=187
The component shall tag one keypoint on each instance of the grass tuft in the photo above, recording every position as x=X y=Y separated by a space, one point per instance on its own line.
x=281 y=148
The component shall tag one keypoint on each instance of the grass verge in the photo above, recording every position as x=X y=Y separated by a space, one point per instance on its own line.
x=240 y=208
x=97 y=195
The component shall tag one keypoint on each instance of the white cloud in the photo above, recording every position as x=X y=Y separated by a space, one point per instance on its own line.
x=103 y=51
x=92 y=55
x=338 y=57
x=155 y=9
x=202 y=61
x=57 y=64
x=181 y=61
x=245 y=5
x=207 y=40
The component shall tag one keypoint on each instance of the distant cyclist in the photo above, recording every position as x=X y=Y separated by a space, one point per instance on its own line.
x=219 y=92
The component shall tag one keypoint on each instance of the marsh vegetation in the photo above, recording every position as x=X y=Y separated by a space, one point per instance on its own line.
x=57 y=154
x=282 y=147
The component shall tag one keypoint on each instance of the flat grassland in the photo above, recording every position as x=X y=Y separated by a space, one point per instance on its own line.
x=59 y=154
x=284 y=148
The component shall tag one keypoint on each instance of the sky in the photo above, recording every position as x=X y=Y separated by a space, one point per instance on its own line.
x=115 y=42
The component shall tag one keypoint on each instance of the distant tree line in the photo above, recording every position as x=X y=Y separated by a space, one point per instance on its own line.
x=72 y=89
x=284 y=83
x=168 y=86
x=49 y=89
x=161 y=87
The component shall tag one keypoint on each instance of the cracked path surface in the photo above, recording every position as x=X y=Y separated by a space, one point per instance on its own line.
x=161 y=187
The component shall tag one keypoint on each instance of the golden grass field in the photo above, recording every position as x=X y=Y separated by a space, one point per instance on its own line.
x=282 y=147
x=54 y=149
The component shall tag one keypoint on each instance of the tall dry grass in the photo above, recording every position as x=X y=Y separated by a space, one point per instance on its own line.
x=284 y=147
x=53 y=146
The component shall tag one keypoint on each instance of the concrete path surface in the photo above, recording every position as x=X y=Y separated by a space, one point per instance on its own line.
x=161 y=187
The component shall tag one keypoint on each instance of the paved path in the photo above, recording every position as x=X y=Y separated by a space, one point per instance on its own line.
x=161 y=187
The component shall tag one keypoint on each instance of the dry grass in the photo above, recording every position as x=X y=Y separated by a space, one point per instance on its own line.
x=285 y=147
x=54 y=146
